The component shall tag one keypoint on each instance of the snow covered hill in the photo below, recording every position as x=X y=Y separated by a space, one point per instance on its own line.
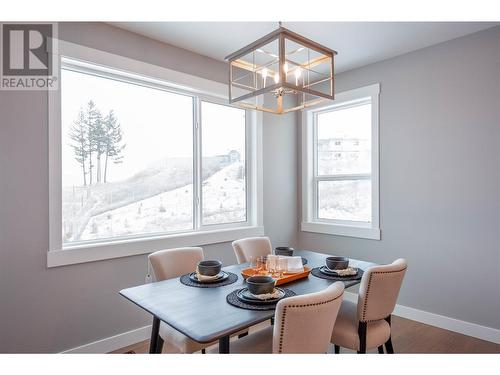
x=223 y=201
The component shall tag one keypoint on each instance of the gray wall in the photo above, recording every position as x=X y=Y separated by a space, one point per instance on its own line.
x=439 y=176
x=50 y=310
x=280 y=159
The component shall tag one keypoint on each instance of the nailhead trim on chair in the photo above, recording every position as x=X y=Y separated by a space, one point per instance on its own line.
x=368 y=292
x=305 y=305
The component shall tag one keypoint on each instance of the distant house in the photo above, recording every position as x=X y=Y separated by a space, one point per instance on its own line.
x=342 y=144
x=234 y=156
x=340 y=148
x=231 y=157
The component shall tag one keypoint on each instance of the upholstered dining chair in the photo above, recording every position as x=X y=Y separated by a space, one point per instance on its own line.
x=367 y=324
x=247 y=248
x=303 y=325
x=168 y=264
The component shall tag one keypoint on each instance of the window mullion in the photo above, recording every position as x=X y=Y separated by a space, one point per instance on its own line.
x=315 y=183
x=249 y=172
x=315 y=199
x=197 y=175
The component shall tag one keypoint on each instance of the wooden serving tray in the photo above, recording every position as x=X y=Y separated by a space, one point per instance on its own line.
x=287 y=277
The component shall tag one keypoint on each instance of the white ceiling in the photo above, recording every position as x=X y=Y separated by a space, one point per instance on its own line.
x=357 y=43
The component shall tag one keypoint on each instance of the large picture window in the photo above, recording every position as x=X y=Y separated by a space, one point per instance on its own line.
x=127 y=159
x=134 y=158
x=341 y=166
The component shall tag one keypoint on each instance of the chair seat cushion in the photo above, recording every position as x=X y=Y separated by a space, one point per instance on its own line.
x=177 y=343
x=260 y=342
x=345 y=331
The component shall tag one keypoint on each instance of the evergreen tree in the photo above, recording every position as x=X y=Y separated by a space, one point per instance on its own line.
x=113 y=138
x=99 y=142
x=93 y=120
x=95 y=137
x=79 y=136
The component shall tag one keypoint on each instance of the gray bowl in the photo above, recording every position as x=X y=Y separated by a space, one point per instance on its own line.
x=260 y=284
x=284 y=250
x=337 y=263
x=209 y=267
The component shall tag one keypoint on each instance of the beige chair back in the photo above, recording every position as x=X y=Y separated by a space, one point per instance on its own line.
x=379 y=290
x=304 y=324
x=247 y=248
x=175 y=262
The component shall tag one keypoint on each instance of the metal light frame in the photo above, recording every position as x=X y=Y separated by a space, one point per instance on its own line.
x=281 y=34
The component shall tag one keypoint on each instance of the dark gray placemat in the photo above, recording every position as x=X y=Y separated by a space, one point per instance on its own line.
x=232 y=299
x=316 y=272
x=187 y=281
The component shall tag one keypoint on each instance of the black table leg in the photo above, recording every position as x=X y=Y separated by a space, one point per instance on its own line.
x=153 y=343
x=159 y=345
x=224 y=345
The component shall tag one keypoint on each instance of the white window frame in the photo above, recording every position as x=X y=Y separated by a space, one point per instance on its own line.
x=95 y=61
x=310 y=221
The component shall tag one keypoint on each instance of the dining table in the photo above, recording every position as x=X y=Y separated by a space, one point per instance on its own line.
x=204 y=315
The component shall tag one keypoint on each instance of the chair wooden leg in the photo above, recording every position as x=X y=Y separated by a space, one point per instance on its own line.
x=362 y=337
x=381 y=349
x=388 y=347
x=337 y=349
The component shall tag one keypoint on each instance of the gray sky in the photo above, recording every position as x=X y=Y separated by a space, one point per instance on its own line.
x=354 y=122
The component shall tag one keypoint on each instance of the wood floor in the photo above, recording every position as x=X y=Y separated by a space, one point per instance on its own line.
x=408 y=337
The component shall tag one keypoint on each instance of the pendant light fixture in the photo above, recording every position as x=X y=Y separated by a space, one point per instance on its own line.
x=280 y=73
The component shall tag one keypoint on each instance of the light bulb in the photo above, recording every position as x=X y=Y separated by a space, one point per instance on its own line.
x=285 y=68
x=264 y=76
x=298 y=72
x=276 y=78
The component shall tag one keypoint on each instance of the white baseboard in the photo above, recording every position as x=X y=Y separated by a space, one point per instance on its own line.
x=113 y=343
x=441 y=321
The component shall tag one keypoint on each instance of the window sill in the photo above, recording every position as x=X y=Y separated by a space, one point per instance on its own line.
x=118 y=249
x=342 y=230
